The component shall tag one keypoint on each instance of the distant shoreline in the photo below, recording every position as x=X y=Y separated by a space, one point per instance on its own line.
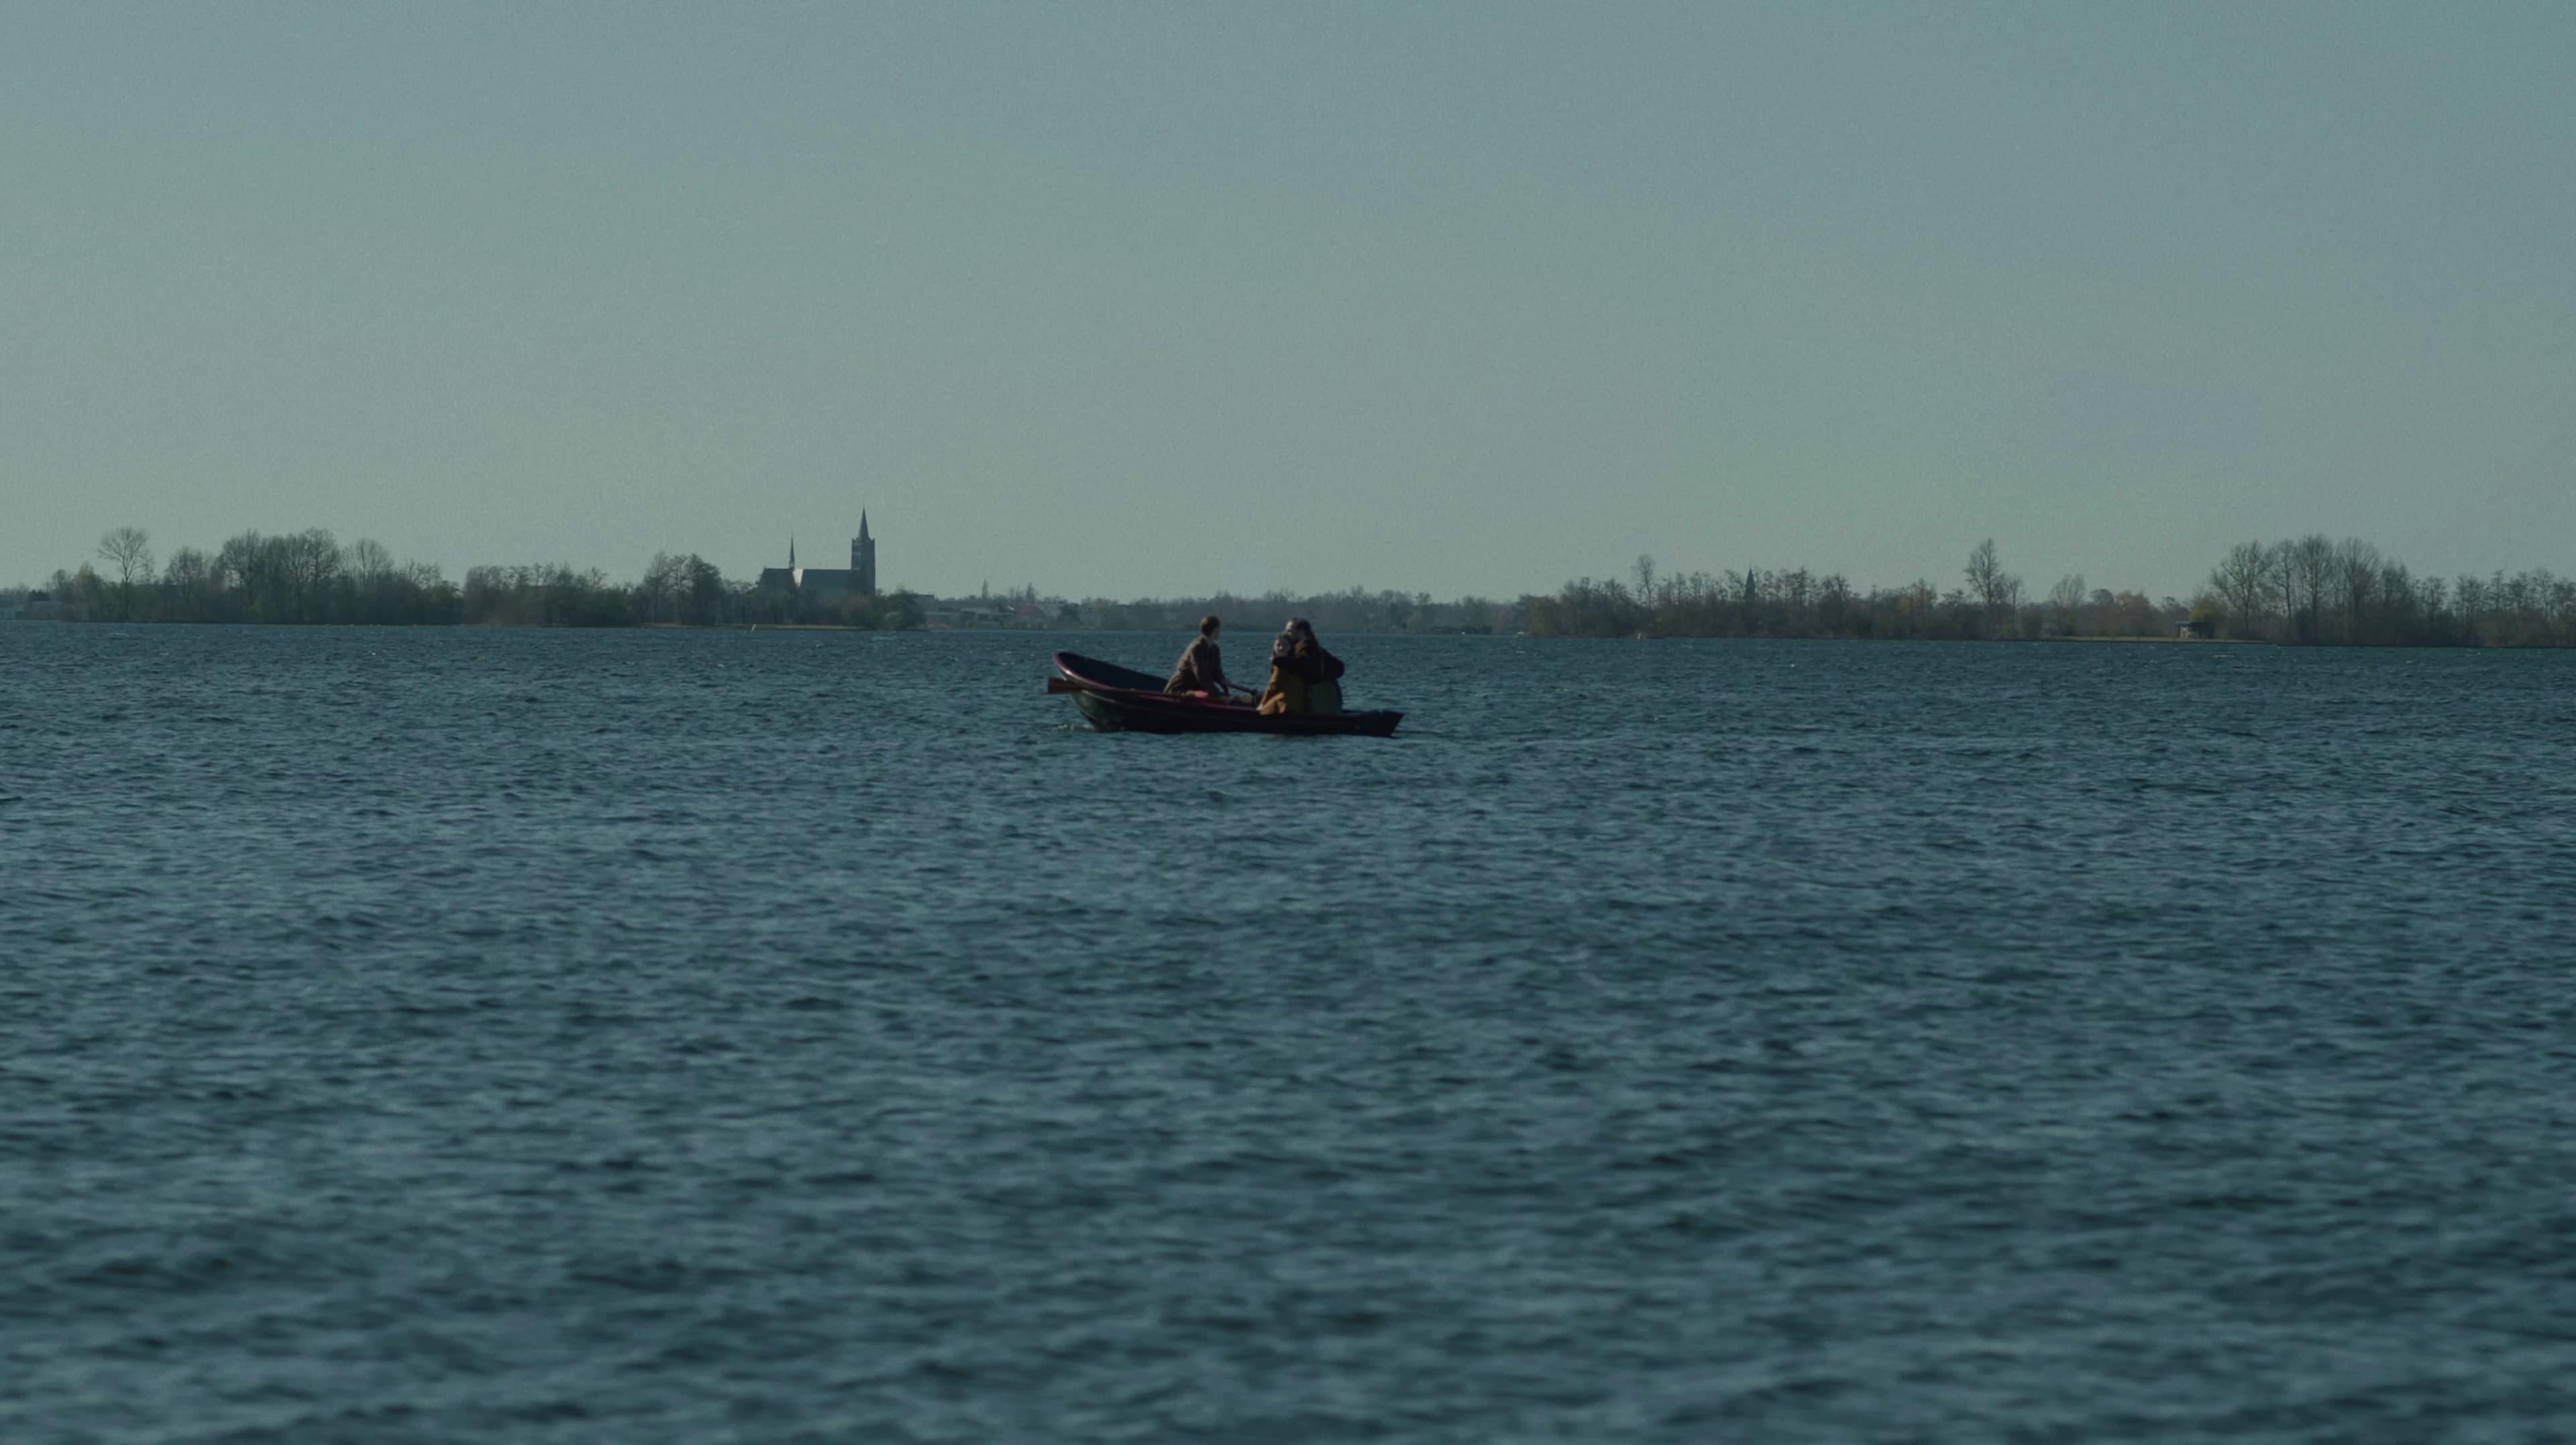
x=2311 y=592
x=1179 y=631
x=2180 y=641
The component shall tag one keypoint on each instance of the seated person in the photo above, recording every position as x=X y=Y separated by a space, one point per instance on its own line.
x=1201 y=668
x=1304 y=678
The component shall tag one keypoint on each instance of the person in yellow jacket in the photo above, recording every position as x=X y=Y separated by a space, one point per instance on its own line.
x=1304 y=678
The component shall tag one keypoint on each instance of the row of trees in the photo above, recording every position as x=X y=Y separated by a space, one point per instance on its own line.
x=1357 y=610
x=2313 y=590
x=1799 y=603
x=2317 y=590
x=310 y=577
x=255 y=577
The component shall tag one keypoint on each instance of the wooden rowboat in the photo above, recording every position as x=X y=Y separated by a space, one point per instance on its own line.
x=1118 y=699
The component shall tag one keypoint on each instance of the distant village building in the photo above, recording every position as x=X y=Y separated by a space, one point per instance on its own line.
x=859 y=578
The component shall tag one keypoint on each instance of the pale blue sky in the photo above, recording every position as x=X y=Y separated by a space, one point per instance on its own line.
x=1135 y=299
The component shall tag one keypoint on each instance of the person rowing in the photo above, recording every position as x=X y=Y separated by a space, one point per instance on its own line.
x=1202 y=667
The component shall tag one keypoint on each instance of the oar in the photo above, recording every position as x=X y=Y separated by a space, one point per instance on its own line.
x=1066 y=684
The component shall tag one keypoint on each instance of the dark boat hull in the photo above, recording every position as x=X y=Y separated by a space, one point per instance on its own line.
x=1118 y=700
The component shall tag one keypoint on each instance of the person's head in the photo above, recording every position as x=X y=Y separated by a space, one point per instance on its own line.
x=1301 y=628
x=1208 y=626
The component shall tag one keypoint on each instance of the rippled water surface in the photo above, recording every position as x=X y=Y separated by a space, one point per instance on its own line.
x=524 y=1037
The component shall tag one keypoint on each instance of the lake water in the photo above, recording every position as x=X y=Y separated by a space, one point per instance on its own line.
x=536 y=1037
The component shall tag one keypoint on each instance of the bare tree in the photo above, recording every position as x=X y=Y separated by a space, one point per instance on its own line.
x=188 y=568
x=187 y=582
x=2474 y=603
x=2066 y=602
x=2397 y=604
x=705 y=593
x=2433 y=599
x=666 y=579
x=1997 y=590
x=315 y=566
x=2281 y=587
x=2312 y=581
x=2243 y=581
x=369 y=562
x=2356 y=575
x=1983 y=568
x=130 y=552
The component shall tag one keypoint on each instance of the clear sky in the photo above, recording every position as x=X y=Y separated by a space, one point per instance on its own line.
x=1162 y=298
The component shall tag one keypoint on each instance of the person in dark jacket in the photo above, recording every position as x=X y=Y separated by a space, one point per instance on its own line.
x=1303 y=676
x=1202 y=667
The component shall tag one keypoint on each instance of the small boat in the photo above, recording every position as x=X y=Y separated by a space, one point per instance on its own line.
x=1118 y=699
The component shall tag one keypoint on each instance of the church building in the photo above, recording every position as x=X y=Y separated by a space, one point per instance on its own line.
x=861 y=578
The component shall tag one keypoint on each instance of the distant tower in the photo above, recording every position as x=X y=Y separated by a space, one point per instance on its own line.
x=863 y=558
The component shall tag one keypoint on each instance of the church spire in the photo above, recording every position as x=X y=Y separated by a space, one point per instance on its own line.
x=791 y=551
x=863 y=524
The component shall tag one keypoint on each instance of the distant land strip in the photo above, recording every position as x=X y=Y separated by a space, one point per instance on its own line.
x=2311 y=591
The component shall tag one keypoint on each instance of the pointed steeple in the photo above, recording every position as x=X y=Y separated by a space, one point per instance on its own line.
x=791 y=551
x=863 y=524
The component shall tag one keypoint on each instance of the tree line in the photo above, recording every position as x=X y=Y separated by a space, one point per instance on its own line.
x=2313 y=591
x=2316 y=590
x=1762 y=602
x=1355 y=610
x=2308 y=591
x=311 y=577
